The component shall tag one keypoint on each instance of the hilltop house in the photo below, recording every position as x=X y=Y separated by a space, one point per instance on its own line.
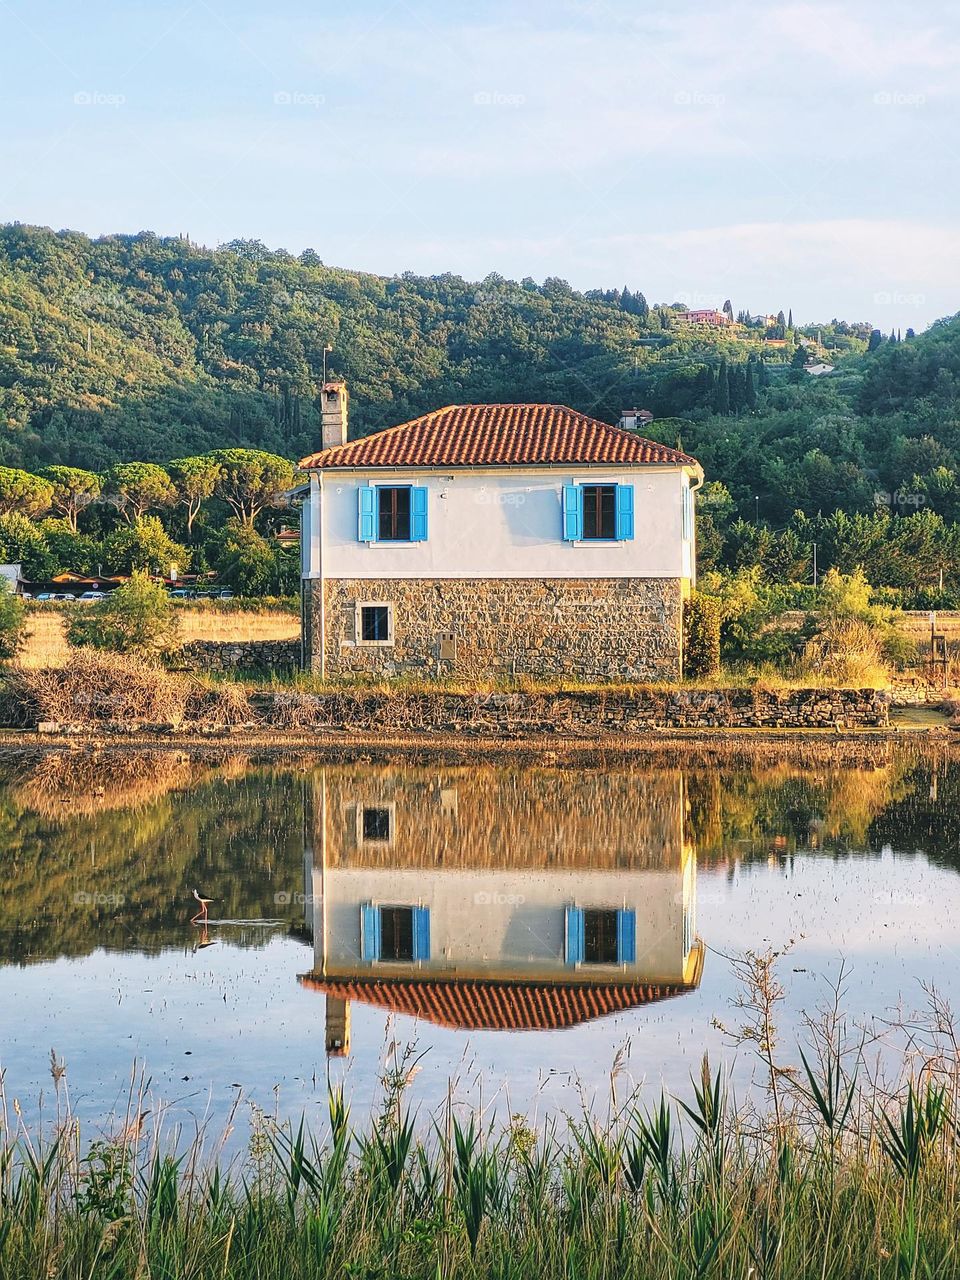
x=495 y=539
x=458 y=898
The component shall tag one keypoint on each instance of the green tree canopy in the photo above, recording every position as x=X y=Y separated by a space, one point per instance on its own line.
x=135 y=488
x=194 y=480
x=22 y=542
x=250 y=480
x=253 y=565
x=21 y=492
x=73 y=491
x=144 y=546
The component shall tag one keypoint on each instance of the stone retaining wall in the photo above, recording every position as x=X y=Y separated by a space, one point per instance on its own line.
x=627 y=629
x=587 y=714
x=240 y=655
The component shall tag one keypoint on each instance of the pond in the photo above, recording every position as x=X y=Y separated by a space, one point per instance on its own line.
x=527 y=933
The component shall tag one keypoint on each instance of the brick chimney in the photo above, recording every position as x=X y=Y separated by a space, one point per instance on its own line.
x=334 y=400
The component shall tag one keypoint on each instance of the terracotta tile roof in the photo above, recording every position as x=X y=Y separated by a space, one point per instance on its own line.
x=473 y=1004
x=498 y=435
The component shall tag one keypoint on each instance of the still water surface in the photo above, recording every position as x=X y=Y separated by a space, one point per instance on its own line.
x=524 y=928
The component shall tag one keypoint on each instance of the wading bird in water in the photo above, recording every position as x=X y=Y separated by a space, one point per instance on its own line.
x=204 y=904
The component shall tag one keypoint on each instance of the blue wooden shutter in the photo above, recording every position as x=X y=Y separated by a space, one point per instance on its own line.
x=370 y=932
x=575 y=936
x=421 y=933
x=626 y=937
x=624 y=512
x=572 y=513
x=418 y=514
x=367 y=499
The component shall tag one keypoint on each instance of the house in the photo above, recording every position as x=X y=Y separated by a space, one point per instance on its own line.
x=495 y=539
x=632 y=419
x=459 y=898
x=818 y=368
x=708 y=316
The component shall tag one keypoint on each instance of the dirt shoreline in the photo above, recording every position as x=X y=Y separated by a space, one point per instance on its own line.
x=722 y=744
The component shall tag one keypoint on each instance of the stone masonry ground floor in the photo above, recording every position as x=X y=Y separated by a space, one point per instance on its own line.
x=595 y=628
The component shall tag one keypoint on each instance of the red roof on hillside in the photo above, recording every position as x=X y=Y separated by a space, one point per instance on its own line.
x=499 y=435
x=487 y=1005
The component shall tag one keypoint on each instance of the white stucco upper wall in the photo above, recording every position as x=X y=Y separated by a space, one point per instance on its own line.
x=503 y=523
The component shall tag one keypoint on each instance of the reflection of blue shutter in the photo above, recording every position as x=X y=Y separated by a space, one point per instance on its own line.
x=418 y=515
x=370 y=932
x=572 y=513
x=421 y=933
x=575 y=941
x=626 y=937
x=367 y=497
x=624 y=512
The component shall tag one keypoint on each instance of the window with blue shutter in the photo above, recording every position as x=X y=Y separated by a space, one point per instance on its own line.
x=392 y=513
x=418 y=504
x=572 y=513
x=686 y=531
x=600 y=935
x=597 y=512
x=367 y=513
x=421 y=933
x=370 y=936
x=394 y=933
x=574 y=936
x=626 y=937
x=624 y=526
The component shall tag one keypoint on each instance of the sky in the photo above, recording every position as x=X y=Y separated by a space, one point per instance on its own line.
x=783 y=155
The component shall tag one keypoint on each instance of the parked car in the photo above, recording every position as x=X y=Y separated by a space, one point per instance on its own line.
x=64 y=595
x=94 y=595
x=44 y=595
x=181 y=593
x=226 y=594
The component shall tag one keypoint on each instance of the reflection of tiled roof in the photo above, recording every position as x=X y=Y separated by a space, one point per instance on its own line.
x=487 y=1005
x=491 y=435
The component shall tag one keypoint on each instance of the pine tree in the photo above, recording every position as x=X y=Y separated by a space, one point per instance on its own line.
x=876 y=337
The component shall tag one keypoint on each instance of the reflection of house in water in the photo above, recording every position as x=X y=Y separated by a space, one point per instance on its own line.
x=482 y=900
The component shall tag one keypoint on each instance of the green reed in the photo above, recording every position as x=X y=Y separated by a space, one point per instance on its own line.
x=846 y=1183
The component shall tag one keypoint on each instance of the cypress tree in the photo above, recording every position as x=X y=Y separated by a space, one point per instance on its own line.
x=721 y=395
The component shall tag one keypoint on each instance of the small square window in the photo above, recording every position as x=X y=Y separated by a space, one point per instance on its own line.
x=599 y=511
x=374 y=623
x=393 y=513
x=375 y=824
x=396 y=939
x=600 y=937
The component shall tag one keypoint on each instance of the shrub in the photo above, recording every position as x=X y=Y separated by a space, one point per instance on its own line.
x=93 y=687
x=851 y=640
x=137 y=618
x=13 y=617
x=702 y=616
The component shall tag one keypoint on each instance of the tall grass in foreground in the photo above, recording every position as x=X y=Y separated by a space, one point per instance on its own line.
x=836 y=1178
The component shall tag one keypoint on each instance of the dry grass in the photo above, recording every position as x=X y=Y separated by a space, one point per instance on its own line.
x=92 y=686
x=100 y=688
x=46 y=642
x=64 y=784
x=849 y=653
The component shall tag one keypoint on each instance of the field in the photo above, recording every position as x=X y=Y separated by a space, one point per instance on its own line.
x=46 y=643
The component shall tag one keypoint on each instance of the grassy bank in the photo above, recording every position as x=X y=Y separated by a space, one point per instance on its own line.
x=831 y=1181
